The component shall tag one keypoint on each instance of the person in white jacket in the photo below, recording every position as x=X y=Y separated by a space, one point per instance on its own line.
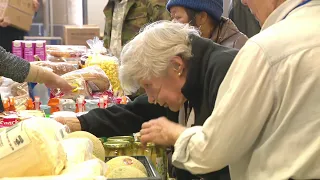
x=266 y=121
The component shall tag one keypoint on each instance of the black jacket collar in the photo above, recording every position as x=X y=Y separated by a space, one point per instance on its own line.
x=193 y=88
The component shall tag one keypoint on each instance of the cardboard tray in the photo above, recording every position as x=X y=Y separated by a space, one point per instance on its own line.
x=151 y=170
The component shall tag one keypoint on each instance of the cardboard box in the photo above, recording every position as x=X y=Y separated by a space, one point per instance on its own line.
x=19 y=12
x=78 y=35
x=25 y=6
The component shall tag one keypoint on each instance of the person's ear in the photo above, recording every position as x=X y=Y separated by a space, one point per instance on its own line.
x=178 y=65
x=202 y=18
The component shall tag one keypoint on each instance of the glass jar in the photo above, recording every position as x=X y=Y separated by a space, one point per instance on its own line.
x=117 y=148
x=161 y=162
x=103 y=139
x=123 y=138
x=129 y=139
x=156 y=154
x=137 y=149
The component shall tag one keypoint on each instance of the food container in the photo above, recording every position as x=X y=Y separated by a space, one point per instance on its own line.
x=121 y=138
x=103 y=139
x=151 y=170
x=156 y=154
x=129 y=139
x=121 y=148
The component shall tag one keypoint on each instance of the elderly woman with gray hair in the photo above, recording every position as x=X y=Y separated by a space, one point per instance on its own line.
x=174 y=64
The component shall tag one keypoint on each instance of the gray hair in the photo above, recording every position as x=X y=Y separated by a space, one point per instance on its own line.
x=149 y=53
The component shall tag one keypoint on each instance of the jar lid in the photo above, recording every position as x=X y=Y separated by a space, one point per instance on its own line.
x=123 y=138
x=118 y=144
x=138 y=143
x=151 y=145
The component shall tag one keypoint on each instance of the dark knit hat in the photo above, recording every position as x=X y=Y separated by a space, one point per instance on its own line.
x=213 y=7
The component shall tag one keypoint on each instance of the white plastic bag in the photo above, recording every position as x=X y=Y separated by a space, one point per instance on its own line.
x=32 y=148
x=78 y=150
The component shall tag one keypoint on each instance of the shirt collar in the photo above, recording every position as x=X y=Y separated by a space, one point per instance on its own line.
x=278 y=14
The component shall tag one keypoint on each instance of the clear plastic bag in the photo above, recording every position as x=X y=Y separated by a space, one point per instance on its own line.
x=66 y=51
x=78 y=150
x=93 y=168
x=32 y=148
x=108 y=63
x=85 y=81
x=91 y=104
x=61 y=177
x=67 y=105
x=18 y=90
x=59 y=68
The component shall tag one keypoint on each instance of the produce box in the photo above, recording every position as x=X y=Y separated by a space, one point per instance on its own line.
x=152 y=173
x=78 y=35
x=20 y=13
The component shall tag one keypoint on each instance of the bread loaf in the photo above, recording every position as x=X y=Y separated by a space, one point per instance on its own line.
x=93 y=75
x=59 y=68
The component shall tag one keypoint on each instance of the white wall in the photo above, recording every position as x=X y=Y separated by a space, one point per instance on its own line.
x=95 y=13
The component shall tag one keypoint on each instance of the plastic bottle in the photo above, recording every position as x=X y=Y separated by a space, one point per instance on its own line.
x=54 y=103
x=11 y=102
x=105 y=98
x=37 y=103
x=80 y=105
x=101 y=103
x=29 y=104
x=6 y=104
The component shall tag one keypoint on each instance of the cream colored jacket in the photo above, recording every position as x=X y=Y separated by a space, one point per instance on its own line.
x=266 y=123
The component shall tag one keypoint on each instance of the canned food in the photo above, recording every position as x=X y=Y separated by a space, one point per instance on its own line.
x=117 y=148
x=156 y=154
x=129 y=139
x=123 y=138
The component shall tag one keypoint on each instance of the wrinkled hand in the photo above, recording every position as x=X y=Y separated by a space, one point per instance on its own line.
x=58 y=82
x=4 y=22
x=161 y=131
x=36 y=5
x=72 y=122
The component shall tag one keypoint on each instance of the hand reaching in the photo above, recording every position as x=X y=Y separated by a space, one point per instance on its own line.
x=161 y=131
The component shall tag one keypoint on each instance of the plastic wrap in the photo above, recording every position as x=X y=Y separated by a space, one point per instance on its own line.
x=93 y=168
x=91 y=104
x=85 y=81
x=108 y=63
x=66 y=51
x=18 y=90
x=67 y=105
x=61 y=177
x=78 y=150
x=59 y=68
x=32 y=148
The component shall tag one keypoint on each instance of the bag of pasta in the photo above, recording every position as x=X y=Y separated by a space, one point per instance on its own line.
x=109 y=64
x=85 y=81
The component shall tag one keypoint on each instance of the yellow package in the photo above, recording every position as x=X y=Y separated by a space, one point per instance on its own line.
x=109 y=65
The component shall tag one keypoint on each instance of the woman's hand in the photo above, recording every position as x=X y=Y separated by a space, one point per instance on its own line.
x=57 y=82
x=161 y=131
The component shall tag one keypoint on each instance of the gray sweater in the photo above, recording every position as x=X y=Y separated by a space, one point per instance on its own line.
x=13 y=67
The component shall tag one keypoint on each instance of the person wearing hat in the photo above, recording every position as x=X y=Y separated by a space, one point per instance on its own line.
x=207 y=17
